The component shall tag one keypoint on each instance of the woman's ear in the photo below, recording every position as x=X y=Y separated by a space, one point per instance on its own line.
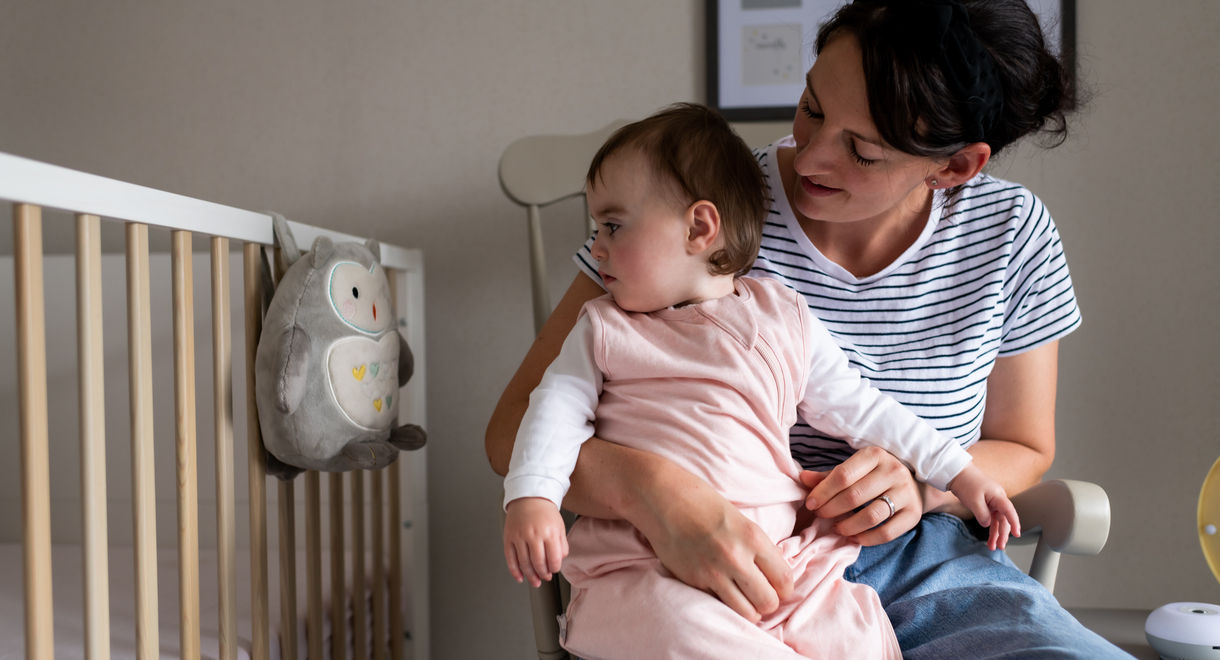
x=961 y=166
x=703 y=226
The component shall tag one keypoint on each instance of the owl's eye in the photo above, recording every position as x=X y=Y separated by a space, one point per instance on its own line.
x=356 y=293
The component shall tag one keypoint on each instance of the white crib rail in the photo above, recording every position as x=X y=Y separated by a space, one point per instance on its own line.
x=30 y=186
x=41 y=184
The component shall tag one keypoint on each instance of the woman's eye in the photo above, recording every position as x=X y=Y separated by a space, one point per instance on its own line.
x=808 y=109
x=864 y=161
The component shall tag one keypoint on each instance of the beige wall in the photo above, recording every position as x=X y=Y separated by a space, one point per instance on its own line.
x=1135 y=199
x=388 y=119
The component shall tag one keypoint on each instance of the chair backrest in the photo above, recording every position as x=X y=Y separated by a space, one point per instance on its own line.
x=537 y=171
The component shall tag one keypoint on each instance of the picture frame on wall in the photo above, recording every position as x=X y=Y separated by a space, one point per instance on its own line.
x=759 y=50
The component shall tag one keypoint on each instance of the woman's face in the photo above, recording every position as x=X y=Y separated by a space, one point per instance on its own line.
x=845 y=172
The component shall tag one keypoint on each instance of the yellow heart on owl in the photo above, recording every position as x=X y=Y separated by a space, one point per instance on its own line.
x=377 y=404
x=358 y=372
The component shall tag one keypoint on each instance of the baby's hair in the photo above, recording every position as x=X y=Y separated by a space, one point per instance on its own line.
x=909 y=73
x=693 y=148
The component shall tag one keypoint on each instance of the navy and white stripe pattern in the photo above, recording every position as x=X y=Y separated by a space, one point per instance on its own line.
x=987 y=278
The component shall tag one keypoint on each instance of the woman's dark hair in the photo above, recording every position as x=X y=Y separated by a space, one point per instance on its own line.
x=913 y=81
x=695 y=154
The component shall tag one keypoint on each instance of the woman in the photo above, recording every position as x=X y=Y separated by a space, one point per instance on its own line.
x=947 y=287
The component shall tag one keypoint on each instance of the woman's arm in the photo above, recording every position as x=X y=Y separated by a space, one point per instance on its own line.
x=1019 y=423
x=1017 y=448
x=698 y=535
x=502 y=427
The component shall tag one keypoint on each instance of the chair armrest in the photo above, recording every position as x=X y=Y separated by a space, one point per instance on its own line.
x=1071 y=516
x=1066 y=516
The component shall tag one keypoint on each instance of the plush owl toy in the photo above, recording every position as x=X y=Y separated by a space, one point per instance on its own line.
x=330 y=361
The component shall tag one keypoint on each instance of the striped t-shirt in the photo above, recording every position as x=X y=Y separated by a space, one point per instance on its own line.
x=987 y=278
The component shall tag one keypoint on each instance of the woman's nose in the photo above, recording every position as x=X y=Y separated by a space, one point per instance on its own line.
x=815 y=156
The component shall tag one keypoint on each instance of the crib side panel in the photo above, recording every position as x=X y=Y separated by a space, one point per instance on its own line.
x=169 y=399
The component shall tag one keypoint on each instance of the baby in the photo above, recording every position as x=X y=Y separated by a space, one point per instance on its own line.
x=687 y=358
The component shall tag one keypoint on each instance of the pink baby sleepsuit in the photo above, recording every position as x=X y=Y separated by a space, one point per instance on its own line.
x=715 y=387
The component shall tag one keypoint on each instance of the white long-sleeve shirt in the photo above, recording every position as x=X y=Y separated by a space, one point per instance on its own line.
x=724 y=357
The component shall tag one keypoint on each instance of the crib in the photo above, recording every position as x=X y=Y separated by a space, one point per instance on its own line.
x=344 y=572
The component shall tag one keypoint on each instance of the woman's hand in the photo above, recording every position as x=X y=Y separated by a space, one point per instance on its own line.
x=707 y=543
x=858 y=483
x=698 y=535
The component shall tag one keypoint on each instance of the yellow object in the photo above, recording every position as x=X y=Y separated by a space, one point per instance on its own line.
x=1209 y=518
x=358 y=372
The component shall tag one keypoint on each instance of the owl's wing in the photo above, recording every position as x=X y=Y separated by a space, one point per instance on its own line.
x=291 y=379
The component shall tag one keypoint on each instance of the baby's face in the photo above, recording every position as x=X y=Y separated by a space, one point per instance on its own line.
x=641 y=244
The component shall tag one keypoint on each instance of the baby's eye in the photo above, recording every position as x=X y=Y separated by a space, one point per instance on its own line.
x=611 y=227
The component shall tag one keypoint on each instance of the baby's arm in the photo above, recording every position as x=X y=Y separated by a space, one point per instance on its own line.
x=838 y=400
x=558 y=421
x=986 y=499
x=535 y=539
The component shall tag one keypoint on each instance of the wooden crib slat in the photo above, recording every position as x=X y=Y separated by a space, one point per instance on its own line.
x=338 y=582
x=394 y=529
x=377 y=516
x=222 y=396
x=252 y=274
x=35 y=465
x=359 y=605
x=185 y=444
x=92 y=435
x=313 y=560
x=144 y=503
x=288 y=571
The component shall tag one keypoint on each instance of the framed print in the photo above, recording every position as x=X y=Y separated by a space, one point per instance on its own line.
x=759 y=50
x=1058 y=19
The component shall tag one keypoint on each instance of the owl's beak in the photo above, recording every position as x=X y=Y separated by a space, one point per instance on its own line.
x=374 y=311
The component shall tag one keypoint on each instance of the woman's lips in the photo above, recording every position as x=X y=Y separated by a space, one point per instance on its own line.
x=816 y=189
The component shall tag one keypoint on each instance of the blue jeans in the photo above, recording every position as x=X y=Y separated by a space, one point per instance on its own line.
x=948 y=596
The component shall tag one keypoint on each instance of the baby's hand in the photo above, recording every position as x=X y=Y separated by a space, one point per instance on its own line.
x=989 y=503
x=535 y=540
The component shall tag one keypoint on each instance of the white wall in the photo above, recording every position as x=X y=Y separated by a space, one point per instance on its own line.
x=388 y=119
